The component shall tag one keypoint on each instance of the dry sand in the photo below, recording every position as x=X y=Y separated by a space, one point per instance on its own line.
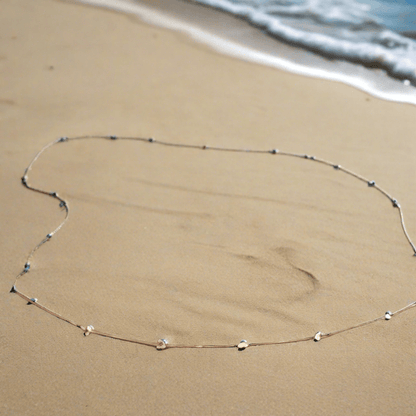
x=193 y=246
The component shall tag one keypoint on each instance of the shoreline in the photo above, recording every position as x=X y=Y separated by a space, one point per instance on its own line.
x=233 y=36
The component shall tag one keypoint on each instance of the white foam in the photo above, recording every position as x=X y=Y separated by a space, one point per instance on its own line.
x=232 y=48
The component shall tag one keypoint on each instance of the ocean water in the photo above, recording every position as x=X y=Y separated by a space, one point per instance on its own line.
x=372 y=33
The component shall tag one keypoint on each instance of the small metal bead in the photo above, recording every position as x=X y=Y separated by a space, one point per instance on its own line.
x=113 y=137
x=312 y=158
x=54 y=194
x=49 y=236
x=317 y=336
x=32 y=300
x=24 y=180
x=161 y=344
x=274 y=151
x=395 y=203
x=88 y=330
x=204 y=147
x=62 y=204
x=151 y=139
x=306 y=156
x=243 y=345
x=13 y=289
x=27 y=267
x=63 y=139
x=388 y=315
x=371 y=183
x=337 y=167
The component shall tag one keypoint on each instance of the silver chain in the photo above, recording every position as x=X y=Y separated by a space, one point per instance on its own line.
x=162 y=344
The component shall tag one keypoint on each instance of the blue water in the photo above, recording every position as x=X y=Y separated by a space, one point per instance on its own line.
x=373 y=33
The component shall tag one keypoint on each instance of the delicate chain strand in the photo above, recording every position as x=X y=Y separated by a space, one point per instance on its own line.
x=161 y=343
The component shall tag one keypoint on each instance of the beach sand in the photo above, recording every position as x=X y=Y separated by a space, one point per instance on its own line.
x=192 y=246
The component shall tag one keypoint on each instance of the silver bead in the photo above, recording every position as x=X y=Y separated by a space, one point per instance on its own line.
x=243 y=345
x=274 y=151
x=27 y=267
x=63 y=139
x=371 y=183
x=88 y=330
x=388 y=315
x=337 y=167
x=317 y=336
x=49 y=236
x=161 y=344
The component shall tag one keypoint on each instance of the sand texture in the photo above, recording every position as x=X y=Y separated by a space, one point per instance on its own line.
x=194 y=246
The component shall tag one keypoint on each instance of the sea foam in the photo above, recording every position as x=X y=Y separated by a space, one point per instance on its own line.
x=380 y=87
x=337 y=29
